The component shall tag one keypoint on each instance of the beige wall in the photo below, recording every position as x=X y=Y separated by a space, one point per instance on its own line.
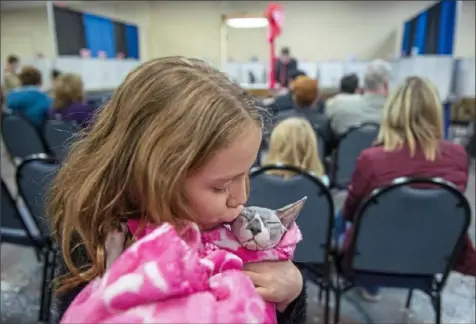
x=465 y=41
x=315 y=30
x=25 y=33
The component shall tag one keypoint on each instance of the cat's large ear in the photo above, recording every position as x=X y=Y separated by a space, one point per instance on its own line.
x=289 y=213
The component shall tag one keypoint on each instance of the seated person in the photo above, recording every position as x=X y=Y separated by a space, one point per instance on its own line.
x=68 y=100
x=54 y=76
x=350 y=110
x=305 y=97
x=410 y=143
x=348 y=88
x=10 y=74
x=293 y=142
x=285 y=101
x=29 y=100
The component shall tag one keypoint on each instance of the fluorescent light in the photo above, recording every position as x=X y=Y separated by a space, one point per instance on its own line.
x=247 y=22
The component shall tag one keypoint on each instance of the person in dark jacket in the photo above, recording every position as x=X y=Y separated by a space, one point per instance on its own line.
x=68 y=100
x=305 y=93
x=285 y=101
x=284 y=66
x=411 y=144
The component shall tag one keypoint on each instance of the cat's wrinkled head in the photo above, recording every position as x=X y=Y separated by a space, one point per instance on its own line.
x=258 y=228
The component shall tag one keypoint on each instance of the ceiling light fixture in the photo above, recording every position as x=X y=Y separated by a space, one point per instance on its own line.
x=247 y=22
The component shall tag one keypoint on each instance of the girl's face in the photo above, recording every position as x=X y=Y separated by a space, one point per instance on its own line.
x=217 y=192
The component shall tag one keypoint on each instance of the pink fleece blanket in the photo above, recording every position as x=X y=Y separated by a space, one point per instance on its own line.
x=192 y=278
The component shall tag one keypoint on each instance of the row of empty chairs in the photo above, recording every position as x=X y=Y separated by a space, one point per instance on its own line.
x=404 y=237
x=22 y=139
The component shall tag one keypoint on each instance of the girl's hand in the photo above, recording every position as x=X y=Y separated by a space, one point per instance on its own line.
x=278 y=282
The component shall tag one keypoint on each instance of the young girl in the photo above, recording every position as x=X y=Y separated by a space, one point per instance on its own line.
x=293 y=142
x=172 y=147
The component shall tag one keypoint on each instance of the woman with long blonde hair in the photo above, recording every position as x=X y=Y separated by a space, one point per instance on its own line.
x=410 y=144
x=294 y=142
x=171 y=149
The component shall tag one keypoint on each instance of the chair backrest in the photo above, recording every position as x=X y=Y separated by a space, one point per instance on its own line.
x=321 y=147
x=315 y=220
x=350 y=145
x=319 y=124
x=20 y=137
x=10 y=217
x=413 y=227
x=59 y=135
x=34 y=177
x=11 y=221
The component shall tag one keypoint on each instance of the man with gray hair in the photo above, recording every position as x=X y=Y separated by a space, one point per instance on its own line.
x=358 y=109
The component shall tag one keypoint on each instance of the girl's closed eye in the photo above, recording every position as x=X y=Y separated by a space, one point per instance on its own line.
x=222 y=187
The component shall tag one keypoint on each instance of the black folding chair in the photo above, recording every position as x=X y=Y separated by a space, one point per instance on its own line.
x=33 y=177
x=348 y=150
x=59 y=135
x=318 y=122
x=315 y=220
x=20 y=137
x=406 y=235
x=14 y=228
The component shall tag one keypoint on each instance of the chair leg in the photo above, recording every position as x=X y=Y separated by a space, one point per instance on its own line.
x=38 y=254
x=436 y=301
x=326 y=306
x=319 y=295
x=49 y=293
x=409 y=299
x=337 y=306
x=46 y=289
x=44 y=286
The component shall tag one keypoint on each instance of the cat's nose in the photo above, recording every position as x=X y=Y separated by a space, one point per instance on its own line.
x=254 y=227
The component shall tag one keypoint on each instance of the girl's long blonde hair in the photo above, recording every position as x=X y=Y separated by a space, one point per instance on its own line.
x=413 y=115
x=166 y=119
x=293 y=142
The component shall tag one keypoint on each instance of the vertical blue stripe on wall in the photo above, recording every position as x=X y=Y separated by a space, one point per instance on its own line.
x=99 y=33
x=446 y=28
x=420 y=33
x=406 y=39
x=132 y=39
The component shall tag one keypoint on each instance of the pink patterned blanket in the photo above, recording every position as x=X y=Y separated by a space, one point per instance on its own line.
x=192 y=278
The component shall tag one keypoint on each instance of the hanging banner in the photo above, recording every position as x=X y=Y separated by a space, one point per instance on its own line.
x=275 y=16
